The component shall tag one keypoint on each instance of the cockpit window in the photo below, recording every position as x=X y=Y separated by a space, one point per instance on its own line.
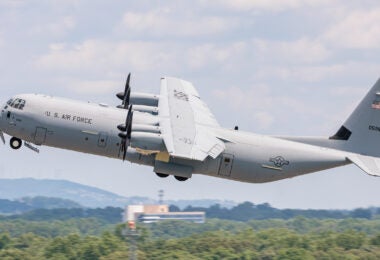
x=17 y=103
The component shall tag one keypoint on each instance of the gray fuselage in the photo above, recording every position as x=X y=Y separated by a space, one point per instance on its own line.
x=92 y=128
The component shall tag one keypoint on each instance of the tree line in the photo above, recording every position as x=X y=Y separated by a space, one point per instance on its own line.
x=232 y=240
x=248 y=210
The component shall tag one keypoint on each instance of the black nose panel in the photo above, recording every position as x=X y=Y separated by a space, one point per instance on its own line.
x=9 y=114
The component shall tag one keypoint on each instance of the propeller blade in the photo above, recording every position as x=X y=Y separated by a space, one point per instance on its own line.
x=128 y=123
x=125 y=153
x=2 y=136
x=128 y=96
x=129 y=127
x=127 y=92
x=125 y=134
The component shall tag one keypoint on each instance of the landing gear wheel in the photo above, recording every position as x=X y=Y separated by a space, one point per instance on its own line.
x=179 y=178
x=15 y=143
x=162 y=175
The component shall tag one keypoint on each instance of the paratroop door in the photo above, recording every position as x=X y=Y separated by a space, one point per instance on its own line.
x=226 y=163
x=40 y=135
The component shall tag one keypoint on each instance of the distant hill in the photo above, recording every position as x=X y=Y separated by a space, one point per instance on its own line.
x=202 y=203
x=49 y=203
x=27 y=204
x=86 y=196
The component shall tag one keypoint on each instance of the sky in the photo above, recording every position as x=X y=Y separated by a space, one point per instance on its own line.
x=290 y=67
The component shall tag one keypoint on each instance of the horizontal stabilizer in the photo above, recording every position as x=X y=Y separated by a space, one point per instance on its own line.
x=369 y=164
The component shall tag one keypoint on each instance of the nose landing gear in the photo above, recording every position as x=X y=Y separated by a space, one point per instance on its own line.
x=15 y=143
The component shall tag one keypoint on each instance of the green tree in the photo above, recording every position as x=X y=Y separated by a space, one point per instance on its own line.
x=294 y=254
x=4 y=240
x=350 y=240
x=376 y=240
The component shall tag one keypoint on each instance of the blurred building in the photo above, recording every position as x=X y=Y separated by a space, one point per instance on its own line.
x=156 y=213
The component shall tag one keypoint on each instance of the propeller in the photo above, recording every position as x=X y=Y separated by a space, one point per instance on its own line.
x=2 y=136
x=125 y=96
x=125 y=135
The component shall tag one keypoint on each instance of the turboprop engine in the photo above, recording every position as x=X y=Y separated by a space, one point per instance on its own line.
x=144 y=99
x=147 y=143
x=141 y=129
x=142 y=132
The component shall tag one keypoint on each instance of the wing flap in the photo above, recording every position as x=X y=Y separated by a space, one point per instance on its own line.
x=186 y=122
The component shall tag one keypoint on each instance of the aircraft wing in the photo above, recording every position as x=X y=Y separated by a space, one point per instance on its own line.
x=186 y=122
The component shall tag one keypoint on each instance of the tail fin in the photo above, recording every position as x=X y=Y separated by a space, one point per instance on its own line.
x=361 y=132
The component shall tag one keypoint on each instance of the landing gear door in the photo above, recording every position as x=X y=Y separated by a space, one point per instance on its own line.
x=226 y=163
x=40 y=135
x=103 y=138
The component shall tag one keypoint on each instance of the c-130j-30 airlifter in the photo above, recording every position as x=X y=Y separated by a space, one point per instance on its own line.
x=176 y=134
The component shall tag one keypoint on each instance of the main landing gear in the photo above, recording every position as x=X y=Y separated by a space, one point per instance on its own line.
x=15 y=143
x=178 y=178
x=162 y=175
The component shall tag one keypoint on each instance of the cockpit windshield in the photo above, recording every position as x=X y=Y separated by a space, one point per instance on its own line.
x=16 y=103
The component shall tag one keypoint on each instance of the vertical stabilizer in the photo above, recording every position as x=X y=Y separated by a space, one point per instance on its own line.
x=361 y=131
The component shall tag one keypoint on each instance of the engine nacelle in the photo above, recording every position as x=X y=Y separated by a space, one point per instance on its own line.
x=145 y=119
x=146 y=109
x=144 y=99
x=145 y=128
x=147 y=143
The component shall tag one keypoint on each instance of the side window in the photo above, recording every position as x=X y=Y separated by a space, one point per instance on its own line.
x=22 y=104
x=17 y=103
x=13 y=103
x=10 y=102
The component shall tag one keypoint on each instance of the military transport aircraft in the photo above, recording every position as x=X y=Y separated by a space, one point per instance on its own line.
x=176 y=134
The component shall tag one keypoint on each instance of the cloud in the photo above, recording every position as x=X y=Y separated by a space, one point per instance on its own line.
x=259 y=102
x=266 y=5
x=12 y=3
x=204 y=55
x=238 y=55
x=59 y=28
x=95 y=87
x=315 y=73
x=298 y=51
x=263 y=119
x=358 y=29
x=2 y=42
x=98 y=55
x=165 y=22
